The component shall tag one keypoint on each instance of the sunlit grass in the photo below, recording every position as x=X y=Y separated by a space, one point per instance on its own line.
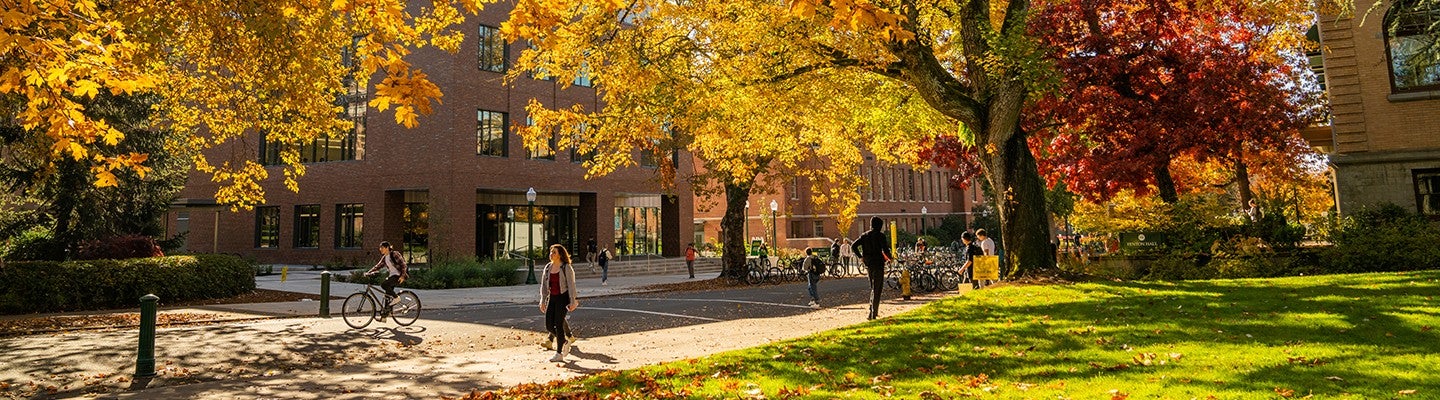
x=1343 y=336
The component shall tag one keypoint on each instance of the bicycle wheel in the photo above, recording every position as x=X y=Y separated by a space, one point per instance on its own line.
x=407 y=309
x=928 y=283
x=892 y=279
x=358 y=310
x=949 y=280
x=754 y=276
x=777 y=274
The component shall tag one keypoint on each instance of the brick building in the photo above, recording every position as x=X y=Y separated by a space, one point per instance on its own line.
x=454 y=185
x=914 y=199
x=1386 y=105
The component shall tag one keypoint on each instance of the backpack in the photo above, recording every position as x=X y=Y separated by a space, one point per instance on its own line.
x=815 y=265
x=604 y=256
x=399 y=262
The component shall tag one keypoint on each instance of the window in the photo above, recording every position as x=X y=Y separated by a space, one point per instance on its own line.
x=576 y=156
x=582 y=78
x=1427 y=192
x=819 y=228
x=492 y=133
x=339 y=147
x=1412 y=29
x=307 y=226
x=349 y=226
x=267 y=227
x=546 y=153
x=910 y=182
x=796 y=227
x=182 y=222
x=795 y=188
x=493 y=54
x=540 y=73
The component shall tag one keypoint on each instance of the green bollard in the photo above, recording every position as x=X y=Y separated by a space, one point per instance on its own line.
x=145 y=360
x=325 y=294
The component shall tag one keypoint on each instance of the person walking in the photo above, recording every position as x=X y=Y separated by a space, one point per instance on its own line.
x=972 y=250
x=873 y=249
x=690 y=254
x=590 y=253
x=558 y=297
x=813 y=267
x=986 y=245
x=846 y=255
x=835 y=253
x=604 y=260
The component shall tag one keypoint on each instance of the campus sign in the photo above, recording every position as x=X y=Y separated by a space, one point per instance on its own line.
x=1141 y=240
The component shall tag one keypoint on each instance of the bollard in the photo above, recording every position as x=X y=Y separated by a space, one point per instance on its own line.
x=905 y=283
x=145 y=360
x=325 y=294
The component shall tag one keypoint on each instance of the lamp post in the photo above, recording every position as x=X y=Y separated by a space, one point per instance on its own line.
x=923 y=212
x=774 y=229
x=747 y=227
x=530 y=234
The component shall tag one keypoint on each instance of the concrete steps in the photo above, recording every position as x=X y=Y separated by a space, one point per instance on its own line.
x=707 y=267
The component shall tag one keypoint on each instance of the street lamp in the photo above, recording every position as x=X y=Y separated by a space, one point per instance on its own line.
x=774 y=235
x=923 y=212
x=530 y=234
x=746 y=220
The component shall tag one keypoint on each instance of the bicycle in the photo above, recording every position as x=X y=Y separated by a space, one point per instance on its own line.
x=360 y=308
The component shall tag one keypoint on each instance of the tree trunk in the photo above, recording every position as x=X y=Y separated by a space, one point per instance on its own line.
x=1242 y=181
x=1024 y=218
x=1166 y=183
x=733 y=227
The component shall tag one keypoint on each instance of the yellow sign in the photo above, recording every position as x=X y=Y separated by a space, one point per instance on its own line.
x=987 y=268
x=284 y=273
x=892 y=238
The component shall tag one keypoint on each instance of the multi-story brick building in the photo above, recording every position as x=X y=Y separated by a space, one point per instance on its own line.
x=455 y=185
x=1385 y=98
x=914 y=199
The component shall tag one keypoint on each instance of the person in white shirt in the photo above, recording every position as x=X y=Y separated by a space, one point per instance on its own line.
x=985 y=243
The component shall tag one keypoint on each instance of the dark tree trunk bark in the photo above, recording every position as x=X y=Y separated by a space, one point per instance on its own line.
x=733 y=227
x=1024 y=217
x=1242 y=181
x=1166 y=183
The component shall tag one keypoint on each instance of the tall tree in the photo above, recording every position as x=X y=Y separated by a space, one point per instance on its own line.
x=714 y=78
x=1148 y=83
x=224 y=71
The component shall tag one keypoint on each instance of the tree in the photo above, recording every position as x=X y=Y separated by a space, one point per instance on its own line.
x=230 y=71
x=1149 y=83
x=713 y=78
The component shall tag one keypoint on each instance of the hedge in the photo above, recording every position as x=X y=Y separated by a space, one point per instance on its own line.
x=47 y=286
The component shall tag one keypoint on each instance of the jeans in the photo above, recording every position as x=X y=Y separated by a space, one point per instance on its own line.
x=555 y=318
x=813 y=282
x=690 y=265
x=604 y=271
x=877 y=282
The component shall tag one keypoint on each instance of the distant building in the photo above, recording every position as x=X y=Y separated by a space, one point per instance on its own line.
x=455 y=185
x=1386 y=105
x=913 y=199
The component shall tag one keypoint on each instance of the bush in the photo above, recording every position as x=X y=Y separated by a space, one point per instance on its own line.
x=43 y=286
x=121 y=247
x=1383 y=239
x=451 y=274
x=33 y=244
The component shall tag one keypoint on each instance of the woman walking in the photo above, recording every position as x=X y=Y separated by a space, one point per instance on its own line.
x=557 y=297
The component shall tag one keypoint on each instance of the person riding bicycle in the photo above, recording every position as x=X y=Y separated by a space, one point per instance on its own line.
x=395 y=264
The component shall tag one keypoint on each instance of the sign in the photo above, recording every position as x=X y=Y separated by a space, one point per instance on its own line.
x=986 y=268
x=1141 y=240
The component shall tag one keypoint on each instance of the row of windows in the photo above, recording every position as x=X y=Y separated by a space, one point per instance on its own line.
x=897 y=184
x=492 y=138
x=493 y=55
x=349 y=226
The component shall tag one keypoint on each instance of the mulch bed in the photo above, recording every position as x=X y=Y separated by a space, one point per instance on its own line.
x=101 y=320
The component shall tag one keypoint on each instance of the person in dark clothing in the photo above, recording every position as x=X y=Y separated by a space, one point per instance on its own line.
x=970 y=251
x=591 y=250
x=873 y=249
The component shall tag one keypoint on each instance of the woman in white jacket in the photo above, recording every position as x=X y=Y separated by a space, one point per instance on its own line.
x=557 y=297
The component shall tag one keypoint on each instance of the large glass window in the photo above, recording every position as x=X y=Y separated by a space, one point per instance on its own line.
x=491 y=133
x=1412 y=30
x=349 y=226
x=637 y=225
x=267 y=227
x=307 y=225
x=493 y=54
x=583 y=78
x=1427 y=191
x=546 y=153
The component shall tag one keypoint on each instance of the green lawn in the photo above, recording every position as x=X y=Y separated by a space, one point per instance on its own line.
x=1341 y=336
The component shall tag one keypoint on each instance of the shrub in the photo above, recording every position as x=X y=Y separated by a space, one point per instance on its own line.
x=451 y=274
x=119 y=248
x=1174 y=267
x=34 y=244
x=43 y=286
x=1382 y=239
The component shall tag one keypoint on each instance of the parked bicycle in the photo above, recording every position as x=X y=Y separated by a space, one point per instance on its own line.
x=363 y=307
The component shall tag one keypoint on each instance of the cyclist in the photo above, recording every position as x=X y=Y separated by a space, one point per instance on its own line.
x=395 y=265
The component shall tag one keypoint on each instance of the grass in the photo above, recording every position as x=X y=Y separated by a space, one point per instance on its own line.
x=1366 y=336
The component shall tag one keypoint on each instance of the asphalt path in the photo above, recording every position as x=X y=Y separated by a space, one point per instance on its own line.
x=605 y=316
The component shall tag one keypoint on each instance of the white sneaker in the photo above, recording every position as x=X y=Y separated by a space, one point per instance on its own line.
x=604 y=284
x=557 y=358
x=565 y=351
x=394 y=300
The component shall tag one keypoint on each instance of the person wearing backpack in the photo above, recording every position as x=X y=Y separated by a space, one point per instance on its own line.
x=557 y=297
x=814 y=267
x=399 y=272
x=690 y=254
x=604 y=260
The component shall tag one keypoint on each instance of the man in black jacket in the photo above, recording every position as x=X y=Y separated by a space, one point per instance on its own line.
x=874 y=249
